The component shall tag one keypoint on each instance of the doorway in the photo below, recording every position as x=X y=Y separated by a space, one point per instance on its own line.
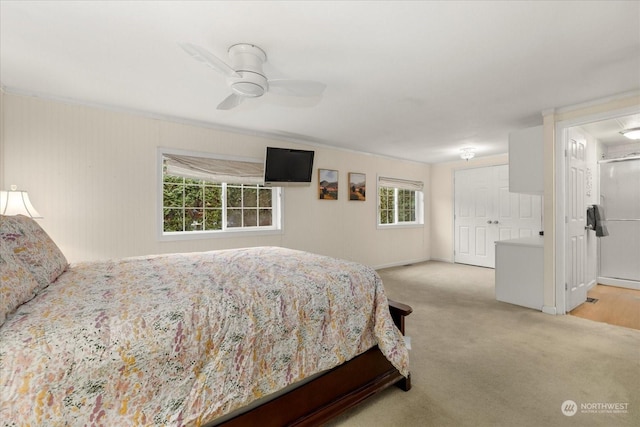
x=600 y=130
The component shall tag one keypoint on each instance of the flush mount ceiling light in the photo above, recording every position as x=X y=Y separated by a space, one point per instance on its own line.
x=467 y=153
x=633 y=133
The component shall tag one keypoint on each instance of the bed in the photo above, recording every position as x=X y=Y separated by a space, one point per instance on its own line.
x=265 y=335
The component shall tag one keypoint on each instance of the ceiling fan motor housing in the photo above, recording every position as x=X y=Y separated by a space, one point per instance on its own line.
x=247 y=60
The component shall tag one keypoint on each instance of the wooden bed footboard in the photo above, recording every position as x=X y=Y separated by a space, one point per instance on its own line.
x=334 y=392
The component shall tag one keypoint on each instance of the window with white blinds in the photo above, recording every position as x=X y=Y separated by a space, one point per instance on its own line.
x=400 y=202
x=205 y=195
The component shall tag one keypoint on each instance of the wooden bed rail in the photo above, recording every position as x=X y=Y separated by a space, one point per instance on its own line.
x=398 y=312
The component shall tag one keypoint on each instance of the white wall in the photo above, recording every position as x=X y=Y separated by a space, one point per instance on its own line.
x=92 y=174
x=442 y=202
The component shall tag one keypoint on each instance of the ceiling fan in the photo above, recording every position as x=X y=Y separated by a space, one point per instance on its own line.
x=245 y=76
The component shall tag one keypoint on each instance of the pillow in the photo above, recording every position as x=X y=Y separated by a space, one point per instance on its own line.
x=17 y=285
x=31 y=245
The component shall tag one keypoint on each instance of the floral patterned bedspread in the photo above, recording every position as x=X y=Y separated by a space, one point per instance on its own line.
x=184 y=338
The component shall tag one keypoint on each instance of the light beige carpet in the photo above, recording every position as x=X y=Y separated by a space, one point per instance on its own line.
x=479 y=362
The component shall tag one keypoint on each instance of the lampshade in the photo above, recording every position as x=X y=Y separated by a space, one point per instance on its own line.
x=633 y=134
x=15 y=202
x=467 y=153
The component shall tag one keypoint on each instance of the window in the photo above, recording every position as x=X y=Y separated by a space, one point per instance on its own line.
x=399 y=202
x=211 y=195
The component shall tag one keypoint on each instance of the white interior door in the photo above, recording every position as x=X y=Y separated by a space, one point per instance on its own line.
x=485 y=211
x=519 y=215
x=576 y=286
x=474 y=216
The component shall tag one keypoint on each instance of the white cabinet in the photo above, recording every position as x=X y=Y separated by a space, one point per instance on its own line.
x=520 y=271
x=526 y=161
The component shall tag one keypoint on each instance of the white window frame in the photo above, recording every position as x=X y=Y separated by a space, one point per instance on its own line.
x=397 y=184
x=277 y=200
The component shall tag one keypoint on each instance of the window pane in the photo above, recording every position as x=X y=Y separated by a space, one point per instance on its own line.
x=250 y=197
x=193 y=219
x=234 y=197
x=387 y=205
x=213 y=196
x=173 y=220
x=172 y=195
x=264 y=197
x=213 y=219
x=234 y=218
x=173 y=179
x=250 y=217
x=193 y=196
x=266 y=219
x=406 y=206
x=383 y=200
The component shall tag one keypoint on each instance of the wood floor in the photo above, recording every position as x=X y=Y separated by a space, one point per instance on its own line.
x=617 y=306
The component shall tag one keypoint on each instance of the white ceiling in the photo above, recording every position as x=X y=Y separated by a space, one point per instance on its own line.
x=415 y=80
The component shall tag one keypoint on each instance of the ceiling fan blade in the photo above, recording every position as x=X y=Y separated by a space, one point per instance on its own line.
x=200 y=54
x=296 y=87
x=230 y=102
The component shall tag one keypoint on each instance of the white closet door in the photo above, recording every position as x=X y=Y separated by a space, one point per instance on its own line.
x=485 y=211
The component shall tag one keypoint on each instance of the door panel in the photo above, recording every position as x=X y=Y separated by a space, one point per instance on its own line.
x=576 y=222
x=481 y=241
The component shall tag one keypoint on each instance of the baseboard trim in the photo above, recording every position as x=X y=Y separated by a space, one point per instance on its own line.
x=401 y=263
x=549 y=310
x=621 y=283
x=449 y=260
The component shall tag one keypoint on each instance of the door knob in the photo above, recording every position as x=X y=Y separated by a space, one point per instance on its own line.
x=495 y=222
x=489 y=222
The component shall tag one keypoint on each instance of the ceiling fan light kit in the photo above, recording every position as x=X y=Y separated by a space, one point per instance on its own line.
x=245 y=77
x=633 y=133
x=247 y=60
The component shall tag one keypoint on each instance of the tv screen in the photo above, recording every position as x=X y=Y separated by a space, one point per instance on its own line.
x=286 y=165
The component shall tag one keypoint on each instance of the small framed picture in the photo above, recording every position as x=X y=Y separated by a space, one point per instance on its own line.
x=327 y=184
x=357 y=186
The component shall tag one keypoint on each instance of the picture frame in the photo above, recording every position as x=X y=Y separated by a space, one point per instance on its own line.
x=327 y=184
x=357 y=186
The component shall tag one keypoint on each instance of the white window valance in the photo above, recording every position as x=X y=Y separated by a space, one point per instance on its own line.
x=214 y=170
x=404 y=184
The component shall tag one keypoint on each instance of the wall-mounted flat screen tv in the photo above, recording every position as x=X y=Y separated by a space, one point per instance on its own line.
x=286 y=165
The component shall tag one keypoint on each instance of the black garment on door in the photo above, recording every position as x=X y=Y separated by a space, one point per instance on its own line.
x=594 y=220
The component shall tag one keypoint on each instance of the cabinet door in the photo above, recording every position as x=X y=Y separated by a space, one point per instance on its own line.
x=526 y=161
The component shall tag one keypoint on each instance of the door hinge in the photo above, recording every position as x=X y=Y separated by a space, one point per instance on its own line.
x=566 y=287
